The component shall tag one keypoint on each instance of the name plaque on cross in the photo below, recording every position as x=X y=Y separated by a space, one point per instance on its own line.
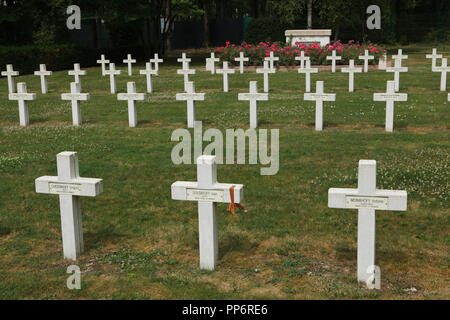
x=204 y=195
x=359 y=202
x=64 y=188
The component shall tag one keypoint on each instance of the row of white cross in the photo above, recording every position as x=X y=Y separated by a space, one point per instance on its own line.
x=190 y=96
x=129 y=61
x=305 y=67
x=208 y=192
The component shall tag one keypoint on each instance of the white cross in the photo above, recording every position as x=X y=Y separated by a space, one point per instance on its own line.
x=253 y=96
x=319 y=97
x=351 y=71
x=148 y=71
x=22 y=96
x=10 y=73
x=131 y=96
x=399 y=56
x=241 y=61
x=366 y=59
x=185 y=61
x=397 y=69
x=185 y=72
x=208 y=192
x=129 y=61
x=433 y=56
x=43 y=73
x=271 y=60
x=70 y=187
x=367 y=198
x=390 y=96
x=190 y=96
x=112 y=72
x=103 y=62
x=265 y=70
x=307 y=71
x=333 y=59
x=211 y=63
x=77 y=72
x=225 y=71
x=156 y=61
x=302 y=58
x=75 y=96
x=443 y=69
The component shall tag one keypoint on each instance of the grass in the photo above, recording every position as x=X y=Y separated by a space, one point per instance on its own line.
x=140 y=244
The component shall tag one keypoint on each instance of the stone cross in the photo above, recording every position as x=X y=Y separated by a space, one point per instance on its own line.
x=131 y=96
x=397 y=69
x=399 y=56
x=208 y=192
x=225 y=71
x=265 y=70
x=156 y=61
x=366 y=59
x=382 y=62
x=433 y=56
x=211 y=63
x=271 y=60
x=319 y=97
x=112 y=72
x=10 y=73
x=351 y=71
x=103 y=62
x=390 y=96
x=75 y=96
x=70 y=187
x=443 y=69
x=22 y=97
x=148 y=71
x=129 y=61
x=302 y=58
x=241 y=61
x=186 y=72
x=367 y=198
x=253 y=96
x=333 y=59
x=185 y=61
x=190 y=96
x=76 y=72
x=307 y=71
x=43 y=73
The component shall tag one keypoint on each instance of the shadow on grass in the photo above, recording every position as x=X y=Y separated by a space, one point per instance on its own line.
x=94 y=240
x=344 y=251
x=235 y=242
x=4 y=231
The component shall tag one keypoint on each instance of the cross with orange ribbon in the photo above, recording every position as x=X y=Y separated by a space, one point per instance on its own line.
x=208 y=192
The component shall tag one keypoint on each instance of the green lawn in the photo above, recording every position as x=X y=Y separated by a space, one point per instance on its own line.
x=140 y=244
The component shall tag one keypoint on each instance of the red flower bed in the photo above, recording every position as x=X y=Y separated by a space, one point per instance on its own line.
x=287 y=54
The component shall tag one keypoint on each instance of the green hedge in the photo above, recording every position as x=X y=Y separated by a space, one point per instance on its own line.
x=265 y=29
x=26 y=59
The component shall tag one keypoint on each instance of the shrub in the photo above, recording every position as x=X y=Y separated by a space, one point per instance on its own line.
x=26 y=59
x=264 y=29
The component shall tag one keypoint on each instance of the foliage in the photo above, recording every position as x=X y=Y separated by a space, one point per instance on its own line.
x=264 y=29
x=58 y=57
x=287 y=54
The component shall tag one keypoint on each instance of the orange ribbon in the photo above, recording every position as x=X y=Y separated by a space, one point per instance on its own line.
x=232 y=205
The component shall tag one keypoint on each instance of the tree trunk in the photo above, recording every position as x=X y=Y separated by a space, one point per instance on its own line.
x=309 y=14
x=336 y=32
x=206 y=23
